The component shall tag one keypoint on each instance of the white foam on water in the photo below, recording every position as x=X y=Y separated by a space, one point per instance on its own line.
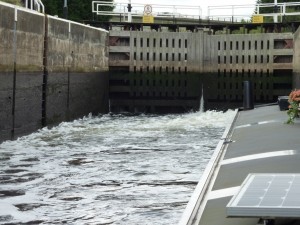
x=110 y=169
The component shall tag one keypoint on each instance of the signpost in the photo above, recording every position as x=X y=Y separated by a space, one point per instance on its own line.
x=147 y=17
x=257 y=19
x=147 y=9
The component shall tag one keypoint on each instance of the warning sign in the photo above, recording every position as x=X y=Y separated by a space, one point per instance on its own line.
x=257 y=19
x=148 y=19
x=147 y=9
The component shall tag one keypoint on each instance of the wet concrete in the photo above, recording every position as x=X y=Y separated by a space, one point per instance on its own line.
x=261 y=142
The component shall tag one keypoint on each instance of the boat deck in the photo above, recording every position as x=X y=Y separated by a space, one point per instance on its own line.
x=259 y=142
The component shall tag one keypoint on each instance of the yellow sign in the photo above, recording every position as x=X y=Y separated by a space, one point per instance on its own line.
x=257 y=19
x=148 y=19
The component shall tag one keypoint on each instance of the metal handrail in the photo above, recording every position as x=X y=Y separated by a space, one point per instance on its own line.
x=36 y=5
x=161 y=10
x=232 y=9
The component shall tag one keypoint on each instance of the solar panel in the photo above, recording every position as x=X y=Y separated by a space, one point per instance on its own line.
x=267 y=196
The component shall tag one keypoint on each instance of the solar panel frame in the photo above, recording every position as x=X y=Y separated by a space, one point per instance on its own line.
x=267 y=195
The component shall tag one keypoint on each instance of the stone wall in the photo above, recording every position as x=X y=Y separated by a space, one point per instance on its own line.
x=51 y=70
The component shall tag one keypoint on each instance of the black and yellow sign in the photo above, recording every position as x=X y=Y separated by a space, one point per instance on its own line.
x=257 y=19
x=148 y=19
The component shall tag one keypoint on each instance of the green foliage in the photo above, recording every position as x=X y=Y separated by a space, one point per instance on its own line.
x=293 y=112
x=15 y=2
x=78 y=10
x=256 y=31
x=272 y=10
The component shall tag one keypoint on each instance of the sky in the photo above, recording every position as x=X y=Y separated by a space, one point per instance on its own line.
x=202 y=3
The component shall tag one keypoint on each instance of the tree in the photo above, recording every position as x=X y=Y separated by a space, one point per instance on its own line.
x=78 y=10
x=274 y=9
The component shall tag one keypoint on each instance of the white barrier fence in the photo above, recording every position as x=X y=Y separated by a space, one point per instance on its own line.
x=232 y=13
x=138 y=10
x=237 y=13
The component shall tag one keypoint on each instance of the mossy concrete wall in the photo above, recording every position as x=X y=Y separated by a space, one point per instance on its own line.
x=51 y=70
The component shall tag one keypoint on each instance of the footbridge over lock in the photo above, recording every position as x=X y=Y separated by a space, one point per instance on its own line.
x=122 y=12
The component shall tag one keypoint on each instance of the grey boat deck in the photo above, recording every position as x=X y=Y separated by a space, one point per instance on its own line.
x=259 y=142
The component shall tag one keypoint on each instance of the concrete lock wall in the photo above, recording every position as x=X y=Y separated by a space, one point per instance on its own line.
x=169 y=69
x=51 y=70
x=265 y=59
x=21 y=68
x=296 y=60
x=201 y=51
x=7 y=68
x=77 y=71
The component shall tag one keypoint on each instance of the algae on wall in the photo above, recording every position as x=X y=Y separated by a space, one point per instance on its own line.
x=15 y=2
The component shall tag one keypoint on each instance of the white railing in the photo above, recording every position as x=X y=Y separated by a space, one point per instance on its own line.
x=36 y=5
x=228 y=13
x=138 y=10
x=237 y=13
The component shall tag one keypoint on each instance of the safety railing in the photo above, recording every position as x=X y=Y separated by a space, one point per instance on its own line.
x=239 y=13
x=36 y=5
x=228 y=13
x=138 y=10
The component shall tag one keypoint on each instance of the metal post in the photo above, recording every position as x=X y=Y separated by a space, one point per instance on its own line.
x=37 y=5
x=14 y=73
x=45 y=75
x=69 y=67
x=42 y=5
x=248 y=102
x=208 y=13
x=275 y=16
x=200 y=12
x=66 y=9
x=129 y=12
x=283 y=12
x=174 y=12
x=232 y=11
x=124 y=14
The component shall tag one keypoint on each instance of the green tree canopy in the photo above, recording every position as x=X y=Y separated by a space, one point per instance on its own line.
x=78 y=10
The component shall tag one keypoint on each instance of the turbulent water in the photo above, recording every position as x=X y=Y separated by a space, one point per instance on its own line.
x=110 y=169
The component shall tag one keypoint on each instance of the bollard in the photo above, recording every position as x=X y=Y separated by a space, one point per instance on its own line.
x=248 y=102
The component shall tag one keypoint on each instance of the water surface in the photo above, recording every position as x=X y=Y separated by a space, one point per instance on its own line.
x=109 y=169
